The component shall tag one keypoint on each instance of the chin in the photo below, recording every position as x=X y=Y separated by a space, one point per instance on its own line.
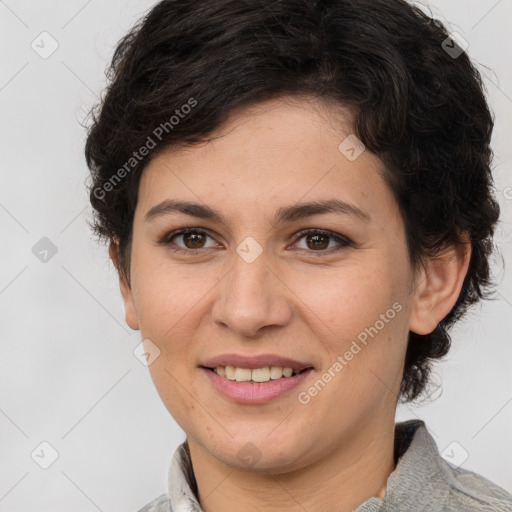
x=258 y=453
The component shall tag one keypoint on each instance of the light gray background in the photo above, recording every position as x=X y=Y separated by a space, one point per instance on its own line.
x=68 y=373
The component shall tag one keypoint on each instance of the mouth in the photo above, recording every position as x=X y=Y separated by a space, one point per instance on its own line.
x=254 y=385
x=254 y=378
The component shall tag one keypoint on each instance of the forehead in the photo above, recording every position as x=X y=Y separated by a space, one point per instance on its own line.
x=270 y=154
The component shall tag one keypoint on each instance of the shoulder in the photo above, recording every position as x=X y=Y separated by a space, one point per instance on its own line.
x=425 y=481
x=473 y=492
x=160 y=504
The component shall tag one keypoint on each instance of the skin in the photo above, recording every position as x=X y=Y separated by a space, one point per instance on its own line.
x=294 y=299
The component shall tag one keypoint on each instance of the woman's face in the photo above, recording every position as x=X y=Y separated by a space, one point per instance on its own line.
x=256 y=284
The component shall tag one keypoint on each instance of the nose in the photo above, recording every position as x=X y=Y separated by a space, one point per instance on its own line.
x=252 y=296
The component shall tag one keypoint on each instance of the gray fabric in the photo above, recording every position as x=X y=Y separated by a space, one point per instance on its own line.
x=421 y=481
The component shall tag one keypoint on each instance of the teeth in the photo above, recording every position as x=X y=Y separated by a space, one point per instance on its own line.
x=263 y=374
x=260 y=374
x=276 y=372
x=230 y=372
x=242 y=374
x=287 y=372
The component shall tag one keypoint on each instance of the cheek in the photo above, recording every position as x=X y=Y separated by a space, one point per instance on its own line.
x=344 y=302
x=360 y=319
x=168 y=299
x=174 y=391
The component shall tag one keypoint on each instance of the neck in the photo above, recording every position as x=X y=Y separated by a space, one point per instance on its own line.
x=342 y=480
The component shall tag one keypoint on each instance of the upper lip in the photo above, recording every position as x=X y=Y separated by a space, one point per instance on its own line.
x=256 y=361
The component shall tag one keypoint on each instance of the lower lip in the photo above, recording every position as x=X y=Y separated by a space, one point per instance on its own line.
x=255 y=392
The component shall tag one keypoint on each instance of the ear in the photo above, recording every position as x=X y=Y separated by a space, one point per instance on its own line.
x=438 y=286
x=126 y=292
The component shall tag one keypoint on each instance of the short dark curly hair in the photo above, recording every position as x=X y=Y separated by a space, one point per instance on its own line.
x=418 y=103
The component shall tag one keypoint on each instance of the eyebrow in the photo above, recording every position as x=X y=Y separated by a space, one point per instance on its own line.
x=284 y=214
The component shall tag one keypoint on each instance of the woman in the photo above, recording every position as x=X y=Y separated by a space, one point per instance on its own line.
x=298 y=201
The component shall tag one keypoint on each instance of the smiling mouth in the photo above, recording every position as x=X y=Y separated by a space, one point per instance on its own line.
x=255 y=375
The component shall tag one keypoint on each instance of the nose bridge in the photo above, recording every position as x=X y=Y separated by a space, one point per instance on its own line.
x=251 y=296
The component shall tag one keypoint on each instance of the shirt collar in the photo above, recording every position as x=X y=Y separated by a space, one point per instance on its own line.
x=418 y=469
x=182 y=486
x=420 y=472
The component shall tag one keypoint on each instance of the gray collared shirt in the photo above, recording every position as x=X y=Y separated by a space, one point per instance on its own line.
x=421 y=481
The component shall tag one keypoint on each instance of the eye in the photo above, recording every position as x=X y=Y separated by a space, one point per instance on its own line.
x=194 y=239
x=317 y=240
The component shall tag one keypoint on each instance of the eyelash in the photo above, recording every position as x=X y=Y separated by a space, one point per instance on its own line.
x=343 y=241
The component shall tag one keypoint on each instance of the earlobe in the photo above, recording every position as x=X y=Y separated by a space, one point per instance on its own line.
x=438 y=287
x=126 y=292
